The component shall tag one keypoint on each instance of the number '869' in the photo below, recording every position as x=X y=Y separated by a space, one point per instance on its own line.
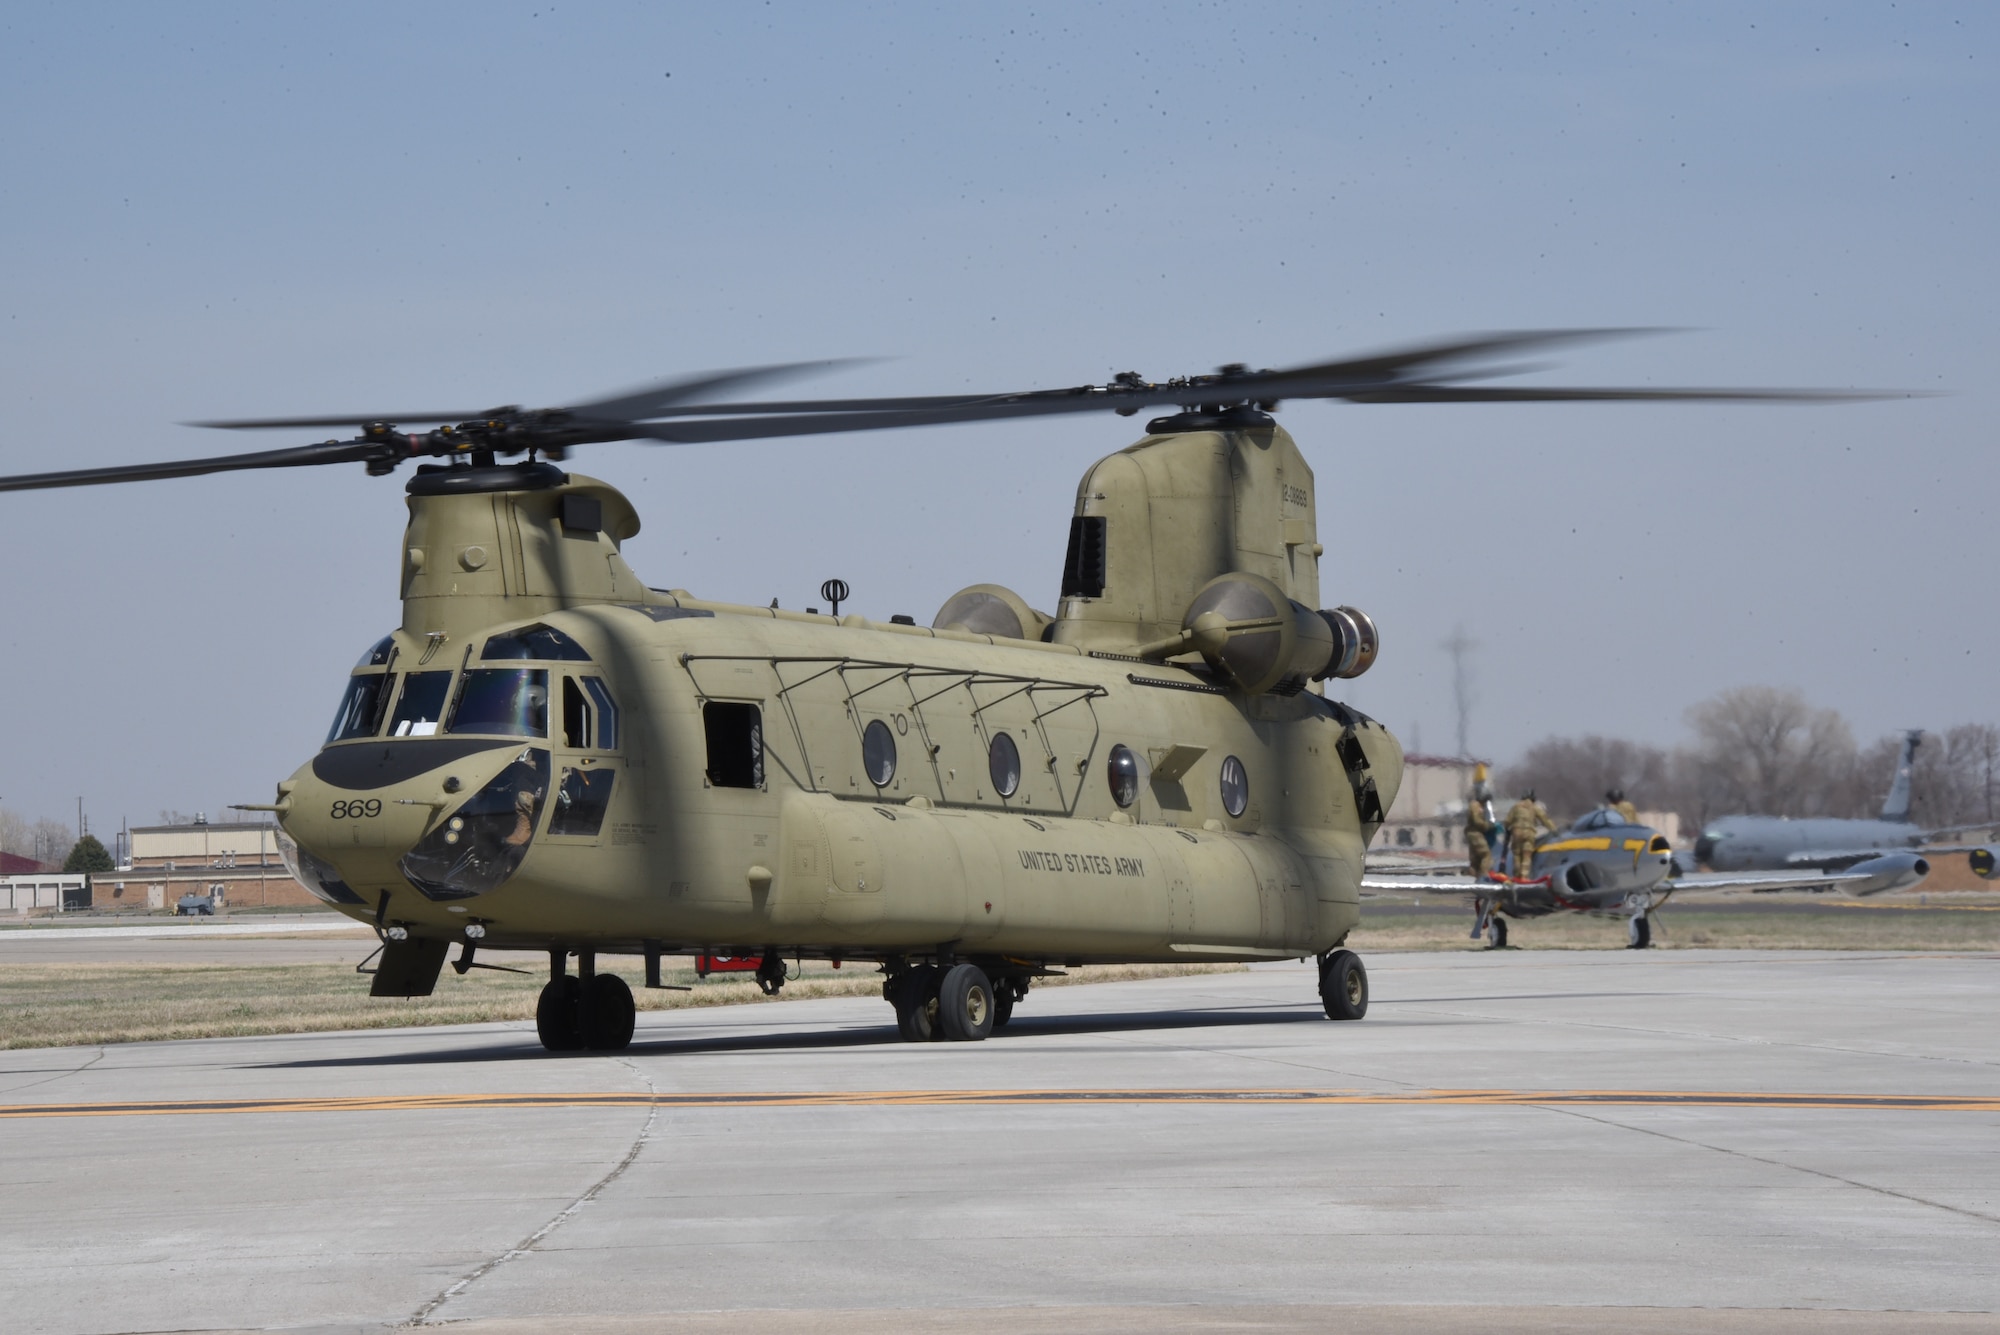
x=356 y=809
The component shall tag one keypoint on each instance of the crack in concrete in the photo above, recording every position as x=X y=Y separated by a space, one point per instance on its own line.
x=422 y=1316
x=1780 y=1163
x=59 y=1075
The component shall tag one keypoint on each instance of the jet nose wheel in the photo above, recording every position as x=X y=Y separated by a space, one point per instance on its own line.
x=1343 y=985
x=1639 y=932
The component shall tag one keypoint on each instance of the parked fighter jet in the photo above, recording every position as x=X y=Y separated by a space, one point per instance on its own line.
x=1779 y=843
x=1604 y=866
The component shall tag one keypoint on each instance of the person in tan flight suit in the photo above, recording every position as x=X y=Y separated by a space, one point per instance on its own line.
x=1615 y=799
x=1526 y=819
x=1479 y=827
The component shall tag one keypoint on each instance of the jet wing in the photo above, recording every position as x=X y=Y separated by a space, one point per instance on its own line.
x=1881 y=872
x=1381 y=883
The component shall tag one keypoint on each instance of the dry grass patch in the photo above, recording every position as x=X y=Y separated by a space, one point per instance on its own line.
x=51 y=1005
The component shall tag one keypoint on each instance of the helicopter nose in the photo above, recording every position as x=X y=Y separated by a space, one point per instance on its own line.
x=452 y=829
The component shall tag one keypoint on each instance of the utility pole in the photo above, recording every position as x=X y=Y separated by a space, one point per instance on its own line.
x=1460 y=647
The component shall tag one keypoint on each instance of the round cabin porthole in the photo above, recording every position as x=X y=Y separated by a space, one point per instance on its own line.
x=1003 y=765
x=878 y=753
x=1235 y=786
x=1123 y=774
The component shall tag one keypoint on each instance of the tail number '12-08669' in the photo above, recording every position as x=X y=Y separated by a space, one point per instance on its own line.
x=356 y=809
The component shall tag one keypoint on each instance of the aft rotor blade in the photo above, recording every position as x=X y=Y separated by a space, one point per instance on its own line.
x=1399 y=362
x=1421 y=393
x=329 y=452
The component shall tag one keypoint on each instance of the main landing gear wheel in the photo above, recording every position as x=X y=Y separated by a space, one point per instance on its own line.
x=914 y=994
x=1343 y=985
x=1005 y=994
x=965 y=1006
x=1496 y=933
x=559 y=1014
x=1639 y=933
x=608 y=1013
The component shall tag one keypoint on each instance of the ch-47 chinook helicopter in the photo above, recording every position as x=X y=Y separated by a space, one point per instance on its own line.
x=1609 y=867
x=546 y=754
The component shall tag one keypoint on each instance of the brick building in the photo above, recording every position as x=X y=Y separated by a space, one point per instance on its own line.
x=234 y=863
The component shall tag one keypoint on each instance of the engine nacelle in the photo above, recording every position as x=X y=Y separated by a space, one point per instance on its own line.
x=1251 y=634
x=988 y=609
x=1985 y=862
x=1891 y=871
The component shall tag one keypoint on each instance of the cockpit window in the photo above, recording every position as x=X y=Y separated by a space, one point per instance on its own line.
x=536 y=641
x=607 y=713
x=361 y=708
x=379 y=653
x=1599 y=819
x=513 y=701
x=421 y=704
x=588 y=716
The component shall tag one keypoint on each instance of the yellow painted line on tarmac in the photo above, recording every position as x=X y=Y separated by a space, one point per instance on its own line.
x=1533 y=1098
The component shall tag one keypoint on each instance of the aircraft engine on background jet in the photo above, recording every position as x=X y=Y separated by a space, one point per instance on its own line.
x=1250 y=633
x=1985 y=862
x=1891 y=871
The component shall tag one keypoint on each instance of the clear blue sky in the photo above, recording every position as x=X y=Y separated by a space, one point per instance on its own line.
x=213 y=210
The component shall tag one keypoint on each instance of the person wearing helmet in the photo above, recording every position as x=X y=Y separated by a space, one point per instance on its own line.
x=1615 y=799
x=1480 y=827
x=1526 y=820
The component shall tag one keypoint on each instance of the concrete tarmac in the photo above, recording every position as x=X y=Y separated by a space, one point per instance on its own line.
x=1716 y=1140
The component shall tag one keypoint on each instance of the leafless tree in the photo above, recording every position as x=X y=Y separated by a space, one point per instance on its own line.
x=1759 y=750
x=45 y=840
x=1570 y=775
x=1767 y=752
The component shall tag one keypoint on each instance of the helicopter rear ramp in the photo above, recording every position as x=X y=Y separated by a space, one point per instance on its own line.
x=1723 y=1140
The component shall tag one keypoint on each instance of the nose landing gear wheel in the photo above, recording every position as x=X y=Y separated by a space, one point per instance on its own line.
x=1343 y=986
x=1496 y=933
x=1639 y=933
x=965 y=1006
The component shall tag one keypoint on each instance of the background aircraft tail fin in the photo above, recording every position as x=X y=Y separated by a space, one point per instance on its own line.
x=1896 y=806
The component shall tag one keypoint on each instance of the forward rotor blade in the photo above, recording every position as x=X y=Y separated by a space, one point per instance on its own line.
x=655 y=399
x=291 y=423
x=627 y=405
x=329 y=452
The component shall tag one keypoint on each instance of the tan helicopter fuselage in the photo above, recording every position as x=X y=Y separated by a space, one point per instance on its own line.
x=676 y=774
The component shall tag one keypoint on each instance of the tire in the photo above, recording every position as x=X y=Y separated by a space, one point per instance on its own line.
x=1003 y=1006
x=915 y=998
x=608 y=1013
x=1639 y=933
x=558 y=1014
x=1343 y=986
x=1496 y=933
x=965 y=1004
